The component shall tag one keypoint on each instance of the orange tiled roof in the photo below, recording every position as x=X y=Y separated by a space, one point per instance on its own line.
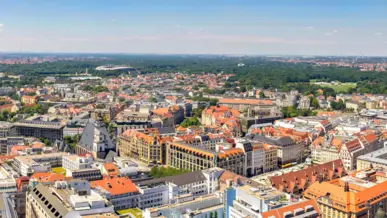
x=17 y=148
x=111 y=169
x=230 y=152
x=245 y=101
x=228 y=175
x=353 y=145
x=190 y=148
x=279 y=213
x=352 y=200
x=161 y=111
x=115 y=186
x=301 y=179
x=7 y=157
x=49 y=177
x=37 y=145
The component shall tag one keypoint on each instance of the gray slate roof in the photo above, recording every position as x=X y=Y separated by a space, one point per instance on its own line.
x=87 y=136
x=278 y=141
x=166 y=130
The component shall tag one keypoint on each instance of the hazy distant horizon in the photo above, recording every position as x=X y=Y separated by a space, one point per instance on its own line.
x=181 y=54
x=225 y=27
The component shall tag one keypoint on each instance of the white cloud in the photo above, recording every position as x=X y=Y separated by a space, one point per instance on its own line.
x=331 y=33
x=1 y=27
x=309 y=27
x=74 y=39
x=378 y=34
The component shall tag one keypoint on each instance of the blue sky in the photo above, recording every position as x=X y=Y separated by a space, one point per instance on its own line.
x=306 y=27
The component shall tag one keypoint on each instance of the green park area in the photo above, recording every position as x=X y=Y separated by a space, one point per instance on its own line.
x=337 y=86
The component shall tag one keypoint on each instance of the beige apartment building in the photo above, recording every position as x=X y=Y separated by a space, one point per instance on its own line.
x=184 y=156
x=146 y=146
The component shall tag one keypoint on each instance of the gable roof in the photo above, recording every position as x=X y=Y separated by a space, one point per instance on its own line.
x=302 y=179
x=87 y=136
x=115 y=186
x=308 y=207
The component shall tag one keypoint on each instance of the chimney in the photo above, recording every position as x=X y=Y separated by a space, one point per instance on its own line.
x=346 y=186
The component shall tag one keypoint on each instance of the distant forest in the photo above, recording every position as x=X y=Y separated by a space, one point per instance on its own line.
x=256 y=72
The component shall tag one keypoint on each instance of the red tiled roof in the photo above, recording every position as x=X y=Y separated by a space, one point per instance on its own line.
x=245 y=101
x=279 y=213
x=305 y=177
x=111 y=169
x=115 y=186
x=49 y=177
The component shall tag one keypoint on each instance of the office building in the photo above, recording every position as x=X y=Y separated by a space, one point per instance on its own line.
x=251 y=200
x=89 y=174
x=178 y=189
x=147 y=146
x=7 y=182
x=348 y=197
x=7 y=207
x=27 y=165
x=75 y=162
x=184 y=156
x=65 y=199
x=38 y=129
x=132 y=120
x=289 y=151
x=201 y=207
x=376 y=159
x=242 y=104
x=5 y=129
x=120 y=191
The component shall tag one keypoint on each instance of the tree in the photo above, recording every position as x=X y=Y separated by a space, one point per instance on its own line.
x=262 y=94
x=153 y=99
x=71 y=140
x=197 y=112
x=45 y=141
x=192 y=121
x=314 y=103
x=340 y=105
x=214 y=101
x=159 y=172
x=295 y=112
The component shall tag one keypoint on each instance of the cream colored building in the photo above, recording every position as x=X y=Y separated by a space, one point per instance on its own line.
x=376 y=159
x=146 y=147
